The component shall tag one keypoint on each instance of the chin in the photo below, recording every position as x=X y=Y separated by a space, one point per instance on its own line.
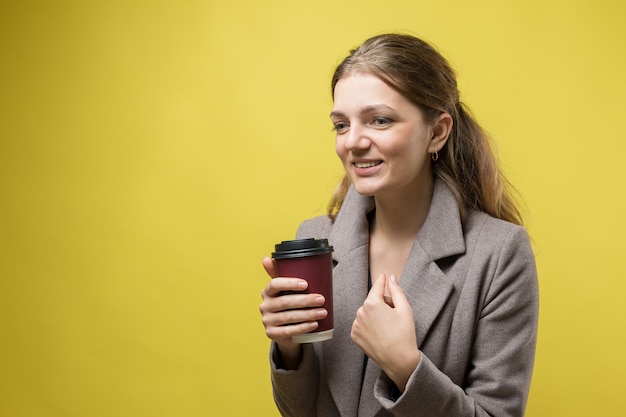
x=365 y=190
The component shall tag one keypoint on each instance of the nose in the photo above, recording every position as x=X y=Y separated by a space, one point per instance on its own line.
x=356 y=138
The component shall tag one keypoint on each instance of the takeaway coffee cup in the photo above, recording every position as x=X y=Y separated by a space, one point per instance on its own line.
x=311 y=260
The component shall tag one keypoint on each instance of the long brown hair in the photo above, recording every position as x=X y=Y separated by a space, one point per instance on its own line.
x=422 y=75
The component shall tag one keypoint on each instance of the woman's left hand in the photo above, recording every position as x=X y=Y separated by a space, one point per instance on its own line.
x=386 y=331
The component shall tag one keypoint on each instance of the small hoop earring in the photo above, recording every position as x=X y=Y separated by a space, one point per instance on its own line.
x=434 y=156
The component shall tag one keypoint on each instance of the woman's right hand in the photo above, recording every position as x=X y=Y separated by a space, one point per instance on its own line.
x=287 y=315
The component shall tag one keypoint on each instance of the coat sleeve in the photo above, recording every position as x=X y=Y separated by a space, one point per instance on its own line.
x=502 y=356
x=295 y=390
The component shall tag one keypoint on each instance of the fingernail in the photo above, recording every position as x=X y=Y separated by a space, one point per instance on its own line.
x=302 y=285
x=394 y=279
x=322 y=313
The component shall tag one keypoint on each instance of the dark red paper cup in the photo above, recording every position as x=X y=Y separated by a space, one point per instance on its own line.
x=311 y=260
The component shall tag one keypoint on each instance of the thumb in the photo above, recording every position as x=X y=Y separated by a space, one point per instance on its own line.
x=270 y=267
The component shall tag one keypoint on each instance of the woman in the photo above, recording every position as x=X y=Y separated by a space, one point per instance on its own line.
x=435 y=286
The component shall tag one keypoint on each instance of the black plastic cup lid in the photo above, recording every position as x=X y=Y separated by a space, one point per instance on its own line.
x=301 y=247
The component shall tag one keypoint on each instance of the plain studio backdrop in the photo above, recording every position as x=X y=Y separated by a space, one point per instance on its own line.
x=152 y=152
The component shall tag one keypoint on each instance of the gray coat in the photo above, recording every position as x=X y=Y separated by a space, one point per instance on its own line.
x=473 y=289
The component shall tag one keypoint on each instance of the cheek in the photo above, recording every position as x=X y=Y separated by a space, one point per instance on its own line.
x=340 y=149
x=408 y=154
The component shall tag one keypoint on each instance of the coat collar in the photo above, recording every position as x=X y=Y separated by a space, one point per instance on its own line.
x=441 y=234
x=425 y=285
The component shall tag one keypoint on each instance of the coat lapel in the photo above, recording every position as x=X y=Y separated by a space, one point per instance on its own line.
x=425 y=285
x=441 y=236
x=343 y=360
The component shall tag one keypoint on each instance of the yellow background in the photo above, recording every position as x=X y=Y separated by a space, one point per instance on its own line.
x=152 y=152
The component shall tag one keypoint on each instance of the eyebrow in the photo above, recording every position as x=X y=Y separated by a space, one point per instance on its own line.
x=364 y=110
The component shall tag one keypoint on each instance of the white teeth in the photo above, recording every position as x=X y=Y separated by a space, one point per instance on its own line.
x=367 y=164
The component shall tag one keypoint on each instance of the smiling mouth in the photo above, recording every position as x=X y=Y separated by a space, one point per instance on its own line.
x=367 y=164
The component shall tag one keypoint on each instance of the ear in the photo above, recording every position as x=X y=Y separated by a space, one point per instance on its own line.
x=442 y=127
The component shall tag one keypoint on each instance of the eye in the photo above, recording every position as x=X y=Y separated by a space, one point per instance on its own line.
x=340 y=127
x=381 y=121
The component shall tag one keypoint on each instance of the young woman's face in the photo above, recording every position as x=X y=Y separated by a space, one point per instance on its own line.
x=382 y=138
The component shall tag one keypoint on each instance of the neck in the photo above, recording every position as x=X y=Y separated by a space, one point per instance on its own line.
x=401 y=216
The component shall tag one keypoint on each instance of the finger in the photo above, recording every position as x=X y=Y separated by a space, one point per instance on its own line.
x=270 y=267
x=290 y=317
x=387 y=295
x=287 y=331
x=297 y=302
x=276 y=286
x=292 y=308
x=378 y=289
x=396 y=293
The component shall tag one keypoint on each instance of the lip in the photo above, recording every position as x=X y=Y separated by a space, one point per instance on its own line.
x=365 y=167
